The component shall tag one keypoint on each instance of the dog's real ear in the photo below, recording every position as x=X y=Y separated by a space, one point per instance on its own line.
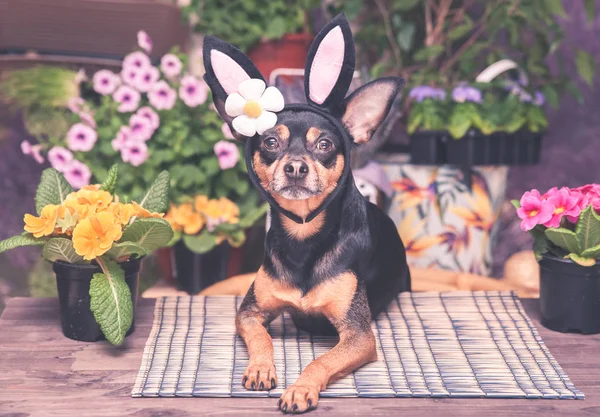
x=330 y=64
x=367 y=107
x=226 y=67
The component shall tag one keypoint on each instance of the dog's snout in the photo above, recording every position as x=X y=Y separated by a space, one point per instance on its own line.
x=296 y=169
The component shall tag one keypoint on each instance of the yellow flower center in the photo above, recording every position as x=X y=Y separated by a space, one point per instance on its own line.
x=252 y=109
x=559 y=210
x=533 y=213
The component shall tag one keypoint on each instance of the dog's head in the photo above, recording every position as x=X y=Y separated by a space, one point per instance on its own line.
x=299 y=152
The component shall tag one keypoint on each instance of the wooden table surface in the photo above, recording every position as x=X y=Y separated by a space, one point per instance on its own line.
x=42 y=373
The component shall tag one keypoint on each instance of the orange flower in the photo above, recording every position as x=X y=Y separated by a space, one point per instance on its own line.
x=170 y=217
x=142 y=212
x=230 y=212
x=212 y=209
x=82 y=210
x=67 y=220
x=95 y=235
x=122 y=212
x=200 y=203
x=187 y=219
x=97 y=200
x=43 y=225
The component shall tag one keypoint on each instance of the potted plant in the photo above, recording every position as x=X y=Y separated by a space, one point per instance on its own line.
x=276 y=34
x=147 y=118
x=95 y=240
x=565 y=226
x=205 y=231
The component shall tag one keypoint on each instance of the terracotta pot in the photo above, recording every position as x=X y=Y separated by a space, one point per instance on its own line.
x=164 y=259
x=288 y=52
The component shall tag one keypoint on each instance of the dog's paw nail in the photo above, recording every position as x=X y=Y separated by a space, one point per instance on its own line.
x=254 y=385
x=273 y=384
x=279 y=403
x=244 y=379
x=309 y=404
x=261 y=386
x=284 y=408
x=294 y=408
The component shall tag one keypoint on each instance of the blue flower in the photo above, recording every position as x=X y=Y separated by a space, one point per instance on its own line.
x=464 y=93
x=539 y=99
x=422 y=92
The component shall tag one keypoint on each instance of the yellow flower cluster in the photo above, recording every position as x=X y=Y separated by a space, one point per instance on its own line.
x=92 y=217
x=192 y=217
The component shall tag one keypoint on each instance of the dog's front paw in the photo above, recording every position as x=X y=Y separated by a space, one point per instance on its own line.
x=260 y=376
x=299 y=399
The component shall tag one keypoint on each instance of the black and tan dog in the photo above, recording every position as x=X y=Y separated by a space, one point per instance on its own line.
x=332 y=259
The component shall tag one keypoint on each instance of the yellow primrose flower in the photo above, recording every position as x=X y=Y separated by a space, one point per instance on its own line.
x=171 y=218
x=43 y=225
x=95 y=235
x=98 y=200
x=82 y=210
x=142 y=212
x=188 y=219
x=230 y=212
x=67 y=220
x=200 y=203
x=212 y=209
x=122 y=212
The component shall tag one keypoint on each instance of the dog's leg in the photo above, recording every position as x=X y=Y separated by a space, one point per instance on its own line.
x=250 y=323
x=355 y=348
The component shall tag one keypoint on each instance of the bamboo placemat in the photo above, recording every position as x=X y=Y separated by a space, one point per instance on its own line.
x=455 y=344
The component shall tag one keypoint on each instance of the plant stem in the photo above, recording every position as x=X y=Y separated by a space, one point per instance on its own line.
x=389 y=33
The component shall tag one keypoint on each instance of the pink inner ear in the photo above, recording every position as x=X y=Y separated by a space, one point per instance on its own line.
x=327 y=65
x=229 y=73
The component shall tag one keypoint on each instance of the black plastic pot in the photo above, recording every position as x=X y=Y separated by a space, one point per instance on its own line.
x=73 y=284
x=194 y=272
x=429 y=147
x=569 y=296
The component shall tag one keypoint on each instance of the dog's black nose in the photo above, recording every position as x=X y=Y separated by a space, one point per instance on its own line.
x=296 y=169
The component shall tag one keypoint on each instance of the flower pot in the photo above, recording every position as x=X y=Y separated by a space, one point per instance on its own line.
x=429 y=147
x=569 y=296
x=194 y=272
x=288 y=52
x=73 y=284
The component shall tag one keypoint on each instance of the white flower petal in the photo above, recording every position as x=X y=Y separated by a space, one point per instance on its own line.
x=265 y=121
x=272 y=100
x=252 y=89
x=245 y=125
x=234 y=105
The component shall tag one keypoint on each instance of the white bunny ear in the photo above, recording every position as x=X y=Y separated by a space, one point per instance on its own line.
x=226 y=67
x=330 y=64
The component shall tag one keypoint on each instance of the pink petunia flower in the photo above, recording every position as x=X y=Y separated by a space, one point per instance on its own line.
x=88 y=119
x=36 y=152
x=59 y=158
x=146 y=78
x=129 y=75
x=227 y=131
x=76 y=104
x=227 y=153
x=128 y=98
x=565 y=203
x=135 y=153
x=534 y=210
x=105 y=82
x=162 y=96
x=589 y=195
x=123 y=136
x=26 y=148
x=170 y=65
x=81 y=137
x=140 y=127
x=77 y=174
x=137 y=60
x=151 y=115
x=192 y=91
x=144 y=41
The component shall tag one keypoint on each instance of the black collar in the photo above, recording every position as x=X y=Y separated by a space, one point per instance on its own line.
x=346 y=144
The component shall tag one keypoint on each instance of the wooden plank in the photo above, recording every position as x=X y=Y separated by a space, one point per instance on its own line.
x=42 y=372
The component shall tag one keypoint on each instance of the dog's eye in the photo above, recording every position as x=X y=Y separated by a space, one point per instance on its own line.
x=271 y=143
x=324 y=145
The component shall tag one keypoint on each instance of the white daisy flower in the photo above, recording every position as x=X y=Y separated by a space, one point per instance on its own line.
x=253 y=107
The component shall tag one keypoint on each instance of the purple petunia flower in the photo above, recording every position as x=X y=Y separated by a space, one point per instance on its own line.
x=77 y=174
x=122 y=138
x=81 y=137
x=170 y=65
x=76 y=104
x=59 y=158
x=227 y=153
x=128 y=98
x=162 y=96
x=144 y=41
x=146 y=78
x=227 y=131
x=129 y=75
x=192 y=91
x=463 y=93
x=423 y=92
x=135 y=153
x=26 y=148
x=137 y=60
x=151 y=115
x=88 y=119
x=140 y=128
x=539 y=99
x=105 y=82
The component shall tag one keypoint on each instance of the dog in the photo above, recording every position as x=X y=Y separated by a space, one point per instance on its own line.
x=333 y=260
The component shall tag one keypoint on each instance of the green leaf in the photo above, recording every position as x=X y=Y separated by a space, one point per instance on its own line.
x=156 y=199
x=563 y=238
x=120 y=250
x=555 y=7
x=551 y=96
x=111 y=179
x=53 y=189
x=460 y=31
x=26 y=239
x=404 y=5
x=176 y=238
x=540 y=242
x=586 y=66
x=237 y=238
x=593 y=252
x=590 y=10
x=110 y=301
x=516 y=203
x=201 y=243
x=588 y=229
x=580 y=260
x=429 y=52
x=253 y=216
x=148 y=233
x=61 y=249
x=414 y=121
x=405 y=36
